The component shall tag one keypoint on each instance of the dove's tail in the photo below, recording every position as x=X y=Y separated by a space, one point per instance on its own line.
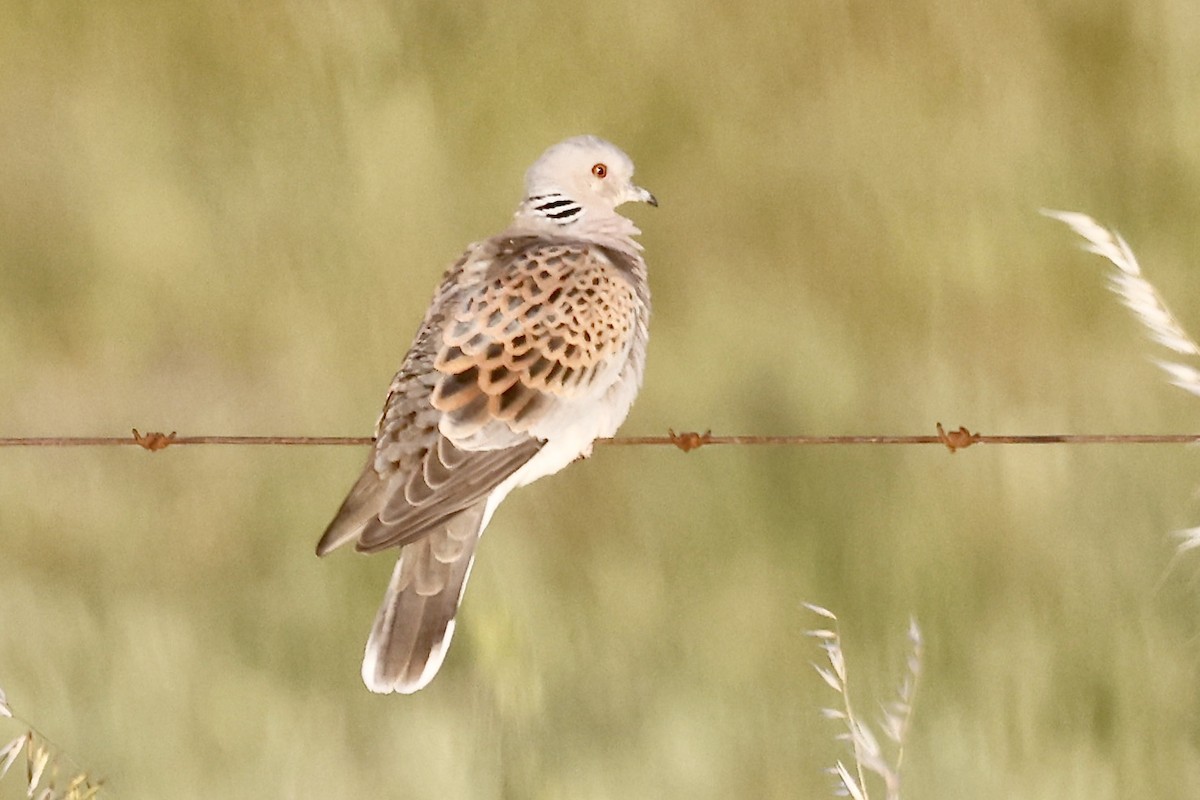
x=414 y=625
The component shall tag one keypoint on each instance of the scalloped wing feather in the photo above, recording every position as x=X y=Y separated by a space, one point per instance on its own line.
x=519 y=328
x=540 y=330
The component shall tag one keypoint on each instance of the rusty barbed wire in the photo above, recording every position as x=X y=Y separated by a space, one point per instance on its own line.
x=953 y=440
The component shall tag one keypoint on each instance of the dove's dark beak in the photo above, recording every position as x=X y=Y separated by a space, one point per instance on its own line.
x=636 y=194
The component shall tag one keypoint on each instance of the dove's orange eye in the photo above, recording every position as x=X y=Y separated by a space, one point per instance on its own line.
x=599 y=170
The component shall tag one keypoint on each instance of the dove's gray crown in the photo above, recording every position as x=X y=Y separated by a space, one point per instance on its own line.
x=532 y=348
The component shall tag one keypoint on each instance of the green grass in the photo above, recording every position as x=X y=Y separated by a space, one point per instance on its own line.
x=228 y=218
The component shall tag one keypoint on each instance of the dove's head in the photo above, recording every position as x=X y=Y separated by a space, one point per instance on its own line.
x=581 y=176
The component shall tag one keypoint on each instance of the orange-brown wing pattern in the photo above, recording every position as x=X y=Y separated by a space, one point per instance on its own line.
x=542 y=327
x=518 y=326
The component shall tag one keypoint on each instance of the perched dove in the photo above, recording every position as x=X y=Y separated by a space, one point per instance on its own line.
x=532 y=348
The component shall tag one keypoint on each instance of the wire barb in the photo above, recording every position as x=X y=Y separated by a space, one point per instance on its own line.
x=689 y=440
x=153 y=441
x=957 y=440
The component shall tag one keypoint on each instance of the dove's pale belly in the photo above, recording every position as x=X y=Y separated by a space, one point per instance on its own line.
x=570 y=432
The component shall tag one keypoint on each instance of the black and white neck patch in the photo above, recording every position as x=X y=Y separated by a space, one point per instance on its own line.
x=556 y=207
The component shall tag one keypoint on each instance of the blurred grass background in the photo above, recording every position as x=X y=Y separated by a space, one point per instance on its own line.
x=229 y=217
